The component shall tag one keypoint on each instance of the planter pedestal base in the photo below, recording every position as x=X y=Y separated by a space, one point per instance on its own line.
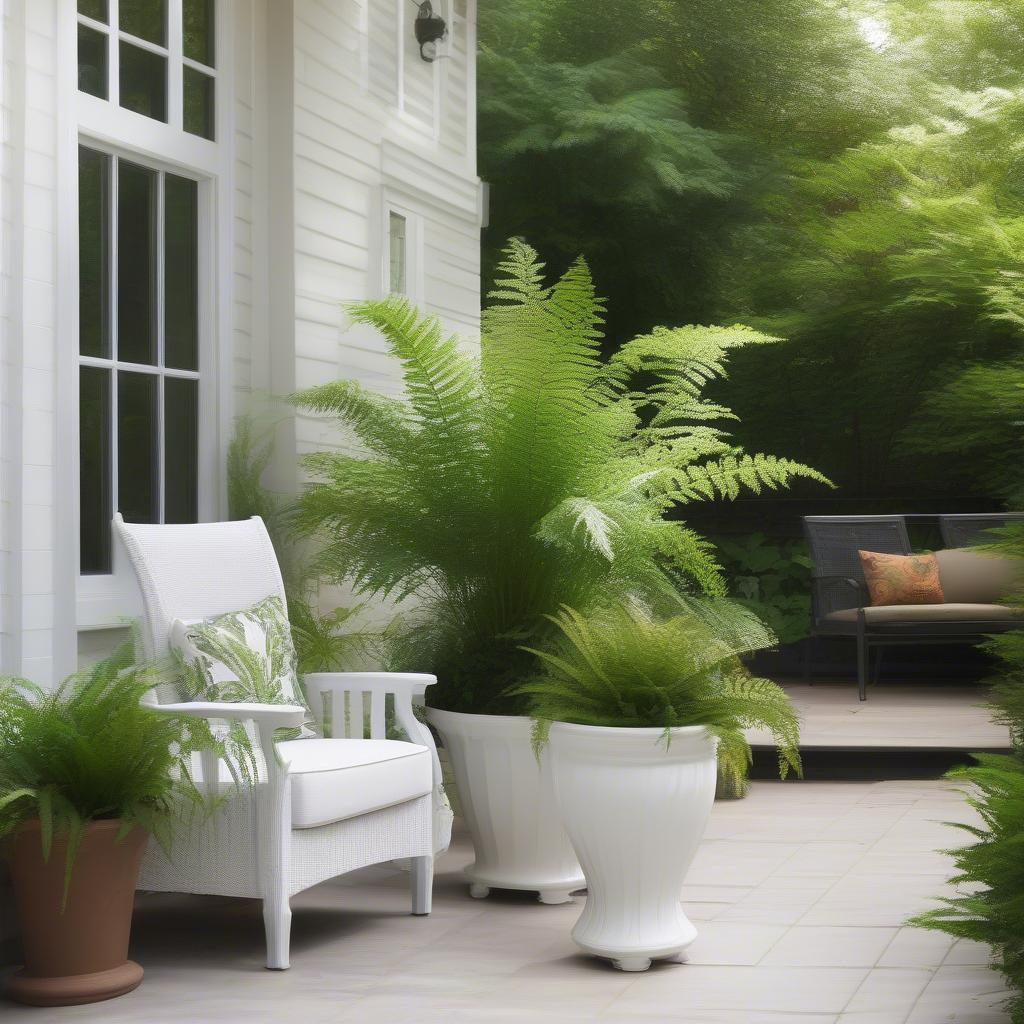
x=632 y=963
x=74 y=988
x=509 y=807
x=552 y=897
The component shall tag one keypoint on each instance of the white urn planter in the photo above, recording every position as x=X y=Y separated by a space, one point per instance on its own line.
x=635 y=812
x=509 y=807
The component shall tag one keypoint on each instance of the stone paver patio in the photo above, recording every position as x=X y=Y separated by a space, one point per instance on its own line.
x=799 y=892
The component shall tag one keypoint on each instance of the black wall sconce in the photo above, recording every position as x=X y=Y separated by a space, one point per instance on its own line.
x=430 y=29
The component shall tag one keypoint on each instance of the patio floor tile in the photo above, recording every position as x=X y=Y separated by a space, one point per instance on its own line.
x=817 y=946
x=805 y=931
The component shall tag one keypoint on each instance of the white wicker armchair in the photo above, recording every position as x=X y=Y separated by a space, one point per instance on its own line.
x=321 y=807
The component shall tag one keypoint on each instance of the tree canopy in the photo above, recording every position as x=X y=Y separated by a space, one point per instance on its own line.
x=847 y=176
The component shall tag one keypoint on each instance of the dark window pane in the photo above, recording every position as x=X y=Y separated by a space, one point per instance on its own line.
x=93 y=252
x=143 y=82
x=146 y=19
x=136 y=263
x=95 y=9
x=92 y=62
x=137 y=465
x=181 y=450
x=198 y=100
x=94 y=469
x=197 y=18
x=181 y=273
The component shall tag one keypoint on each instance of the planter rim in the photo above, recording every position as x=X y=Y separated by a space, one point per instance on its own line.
x=455 y=715
x=505 y=725
x=94 y=825
x=604 y=744
x=637 y=732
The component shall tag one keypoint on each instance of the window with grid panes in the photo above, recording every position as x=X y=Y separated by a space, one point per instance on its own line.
x=154 y=57
x=138 y=348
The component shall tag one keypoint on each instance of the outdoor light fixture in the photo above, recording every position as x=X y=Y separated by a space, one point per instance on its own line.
x=430 y=29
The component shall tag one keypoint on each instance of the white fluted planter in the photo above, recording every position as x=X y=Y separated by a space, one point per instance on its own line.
x=635 y=813
x=509 y=807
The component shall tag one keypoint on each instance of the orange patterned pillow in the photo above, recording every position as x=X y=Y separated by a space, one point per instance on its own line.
x=901 y=579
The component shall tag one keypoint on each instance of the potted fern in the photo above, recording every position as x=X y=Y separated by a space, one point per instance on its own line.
x=502 y=487
x=639 y=714
x=87 y=775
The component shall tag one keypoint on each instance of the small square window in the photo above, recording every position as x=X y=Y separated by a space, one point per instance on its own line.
x=396 y=253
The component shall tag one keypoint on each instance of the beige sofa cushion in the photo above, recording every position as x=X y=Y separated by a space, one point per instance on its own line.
x=976 y=577
x=926 y=613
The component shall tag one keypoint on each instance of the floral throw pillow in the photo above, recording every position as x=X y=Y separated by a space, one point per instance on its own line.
x=901 y=579
x=242 y=657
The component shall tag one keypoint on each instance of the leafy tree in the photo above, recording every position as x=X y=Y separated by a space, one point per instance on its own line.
x=895 y=264
x=641 y=133
x=844 y=175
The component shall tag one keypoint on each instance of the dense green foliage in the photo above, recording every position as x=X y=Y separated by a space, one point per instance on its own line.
x=772 y=579
x=537 y=476
x=992 y=868
x=847 y=176
x=325 y=641
x=89 y=750
x=623 y=667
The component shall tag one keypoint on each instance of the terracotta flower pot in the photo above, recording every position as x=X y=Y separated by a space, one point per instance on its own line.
x=79 y=955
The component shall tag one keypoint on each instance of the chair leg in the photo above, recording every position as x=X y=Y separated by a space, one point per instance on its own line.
x=862 y=667
x=277 y=919
x=863 y=654
x=421 y=878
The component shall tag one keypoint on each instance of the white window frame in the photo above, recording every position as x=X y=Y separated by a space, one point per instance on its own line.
x=414 y=269
x=106 y=601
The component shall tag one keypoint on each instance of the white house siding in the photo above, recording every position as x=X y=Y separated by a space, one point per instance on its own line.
x=375 y=124
x=333 y=116
x=32 y=610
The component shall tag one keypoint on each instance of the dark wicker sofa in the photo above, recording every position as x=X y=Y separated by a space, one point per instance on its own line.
x=972 y=585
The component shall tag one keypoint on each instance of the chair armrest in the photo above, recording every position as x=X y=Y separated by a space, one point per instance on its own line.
x=276 y=716
x=267 y=718
x=820 y=585
x=412 y=683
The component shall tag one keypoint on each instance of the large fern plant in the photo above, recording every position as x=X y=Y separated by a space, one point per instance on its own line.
x=535 y=476
x=990 y=871
x=89 y=750
x=623 y=667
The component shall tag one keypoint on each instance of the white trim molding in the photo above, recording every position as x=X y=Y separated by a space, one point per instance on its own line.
x=106 y=601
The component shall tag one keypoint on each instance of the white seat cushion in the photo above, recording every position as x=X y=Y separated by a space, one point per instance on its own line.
x=337 y=779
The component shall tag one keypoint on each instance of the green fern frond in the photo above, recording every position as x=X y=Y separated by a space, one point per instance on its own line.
x=624 y=667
